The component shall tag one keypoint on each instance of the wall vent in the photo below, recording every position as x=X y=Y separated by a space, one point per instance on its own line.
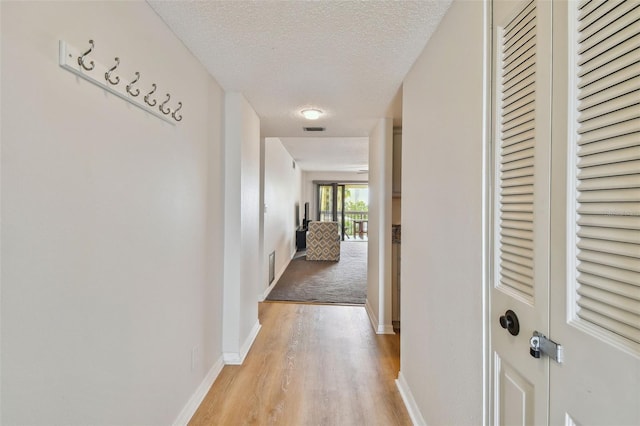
x=314 y=129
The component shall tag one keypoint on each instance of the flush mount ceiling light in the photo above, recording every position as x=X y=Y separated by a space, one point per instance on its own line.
x=311 y=114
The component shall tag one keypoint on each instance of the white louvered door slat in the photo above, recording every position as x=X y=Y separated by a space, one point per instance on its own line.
x=608 y=215
x=609 y=234
x=607 y=285
x=608 y=145
x=599 y=81
x=618 y=11
x=624 y=168
x=595 y=205
x=517 y=160
x=521 y=102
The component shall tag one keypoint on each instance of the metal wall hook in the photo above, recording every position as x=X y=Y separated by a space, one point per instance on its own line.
x=130 y=85
x=146 y=98
x=81 y=61
x=107 y=75
x=168 y=110
x=177 y=117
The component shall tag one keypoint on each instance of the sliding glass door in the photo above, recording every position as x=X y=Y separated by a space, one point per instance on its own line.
x=331 y=204
x=347 y=204
x=356 y=211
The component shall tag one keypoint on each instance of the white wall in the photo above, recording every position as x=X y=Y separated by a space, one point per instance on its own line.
x=442 y=218
x=378 y=302
x=111 y=222
x=310 y=191
x=282 y=192
x=242 y=276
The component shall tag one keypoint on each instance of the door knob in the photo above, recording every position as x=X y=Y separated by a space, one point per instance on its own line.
x=510 y=322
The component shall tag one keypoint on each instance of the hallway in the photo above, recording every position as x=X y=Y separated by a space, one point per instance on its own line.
x=310 y=365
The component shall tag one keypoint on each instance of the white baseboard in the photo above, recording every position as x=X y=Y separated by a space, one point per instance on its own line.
x=266 y=292
x=237 y=358
x=409 y=401
x=196 y=399
x=386 y=329
x=378 y=328
x=372 y=316
x=231 y=358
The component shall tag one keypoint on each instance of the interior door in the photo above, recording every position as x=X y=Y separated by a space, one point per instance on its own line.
x=519 y=293
x=595 y=228
x=569 y=267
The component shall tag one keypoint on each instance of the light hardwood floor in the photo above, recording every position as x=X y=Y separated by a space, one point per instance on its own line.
x=310 y=365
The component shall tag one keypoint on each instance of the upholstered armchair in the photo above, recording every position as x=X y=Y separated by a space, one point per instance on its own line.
x=323 y=241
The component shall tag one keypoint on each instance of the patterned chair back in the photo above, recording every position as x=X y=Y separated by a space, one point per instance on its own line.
x=323 y=241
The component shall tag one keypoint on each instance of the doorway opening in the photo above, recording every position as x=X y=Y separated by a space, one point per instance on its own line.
x=347 y=204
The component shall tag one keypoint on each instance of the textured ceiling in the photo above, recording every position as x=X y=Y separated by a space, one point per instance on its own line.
x=329 y=154
x=347 y=58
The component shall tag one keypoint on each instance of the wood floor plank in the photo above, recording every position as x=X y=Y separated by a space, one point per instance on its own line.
x=310 y=365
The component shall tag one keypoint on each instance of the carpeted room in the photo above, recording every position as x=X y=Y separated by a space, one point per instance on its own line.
x=310 y=281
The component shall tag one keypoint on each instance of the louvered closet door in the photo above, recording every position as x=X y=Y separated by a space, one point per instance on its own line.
x=595 y=280
x=521 y=146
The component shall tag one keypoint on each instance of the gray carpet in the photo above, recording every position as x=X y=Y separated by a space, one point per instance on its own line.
x=326 y=282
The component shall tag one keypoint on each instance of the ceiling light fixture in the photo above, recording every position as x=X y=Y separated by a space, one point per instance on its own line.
x=311 y=114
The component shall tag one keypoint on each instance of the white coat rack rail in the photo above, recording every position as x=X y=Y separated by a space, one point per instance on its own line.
x=84 y=66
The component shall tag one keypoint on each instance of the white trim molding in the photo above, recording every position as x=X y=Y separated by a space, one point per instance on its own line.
x=409 y=401
x=198 y=396
x=385 y=329
x=266 y=292
x=372 y=316
x=378 y=328
x=237 y=358
x=487 y=230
